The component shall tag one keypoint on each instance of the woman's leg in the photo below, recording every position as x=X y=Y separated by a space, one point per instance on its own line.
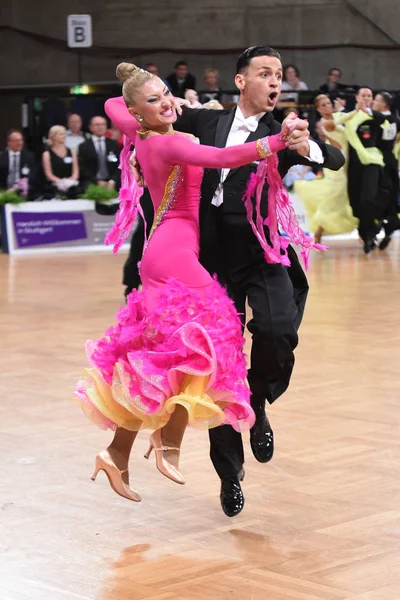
x=120 y=450
x=318 y=234
x=172 y=434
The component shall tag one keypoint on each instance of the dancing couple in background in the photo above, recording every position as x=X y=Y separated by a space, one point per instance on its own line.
x=175 y=355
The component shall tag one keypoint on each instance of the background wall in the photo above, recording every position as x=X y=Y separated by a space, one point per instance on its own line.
x=208 y=25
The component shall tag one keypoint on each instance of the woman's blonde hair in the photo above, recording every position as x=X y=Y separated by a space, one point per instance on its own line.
x=53 y=131
x=133 y=78
x=319 y=98
x=213 y=105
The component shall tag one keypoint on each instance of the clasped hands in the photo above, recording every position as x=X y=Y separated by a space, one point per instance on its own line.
x=297 y=135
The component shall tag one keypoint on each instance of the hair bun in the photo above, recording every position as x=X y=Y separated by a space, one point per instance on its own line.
x=126 y=70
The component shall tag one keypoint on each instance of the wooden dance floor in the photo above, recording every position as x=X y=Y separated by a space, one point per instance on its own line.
x=321 y=521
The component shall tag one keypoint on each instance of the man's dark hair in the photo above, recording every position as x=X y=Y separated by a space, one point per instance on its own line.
x=388 y=99
x=363 y=87
x=334 y=69
x=246 y=57
x=11 y=131
x=181 y=63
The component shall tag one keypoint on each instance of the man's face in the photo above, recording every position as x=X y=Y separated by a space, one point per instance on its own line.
x=261 y=83
x=75 y=123
x=15 y=142
x=378 y=103
x=364 y=97
x=334 y=76
x=153 y=69
x=181 y=71
x=98 y=126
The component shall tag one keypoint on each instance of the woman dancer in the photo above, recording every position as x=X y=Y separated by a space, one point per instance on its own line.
x=326 y=200
x=175 y=355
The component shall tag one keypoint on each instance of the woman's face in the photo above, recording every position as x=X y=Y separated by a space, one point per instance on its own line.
x=290 y=74
x=211 y=79
x=59 y=138
x=154 y=103
x=325 y=107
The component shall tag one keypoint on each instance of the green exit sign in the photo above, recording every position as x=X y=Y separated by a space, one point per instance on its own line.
x=79 y=89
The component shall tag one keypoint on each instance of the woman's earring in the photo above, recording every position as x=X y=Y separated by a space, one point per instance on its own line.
x=139 y=118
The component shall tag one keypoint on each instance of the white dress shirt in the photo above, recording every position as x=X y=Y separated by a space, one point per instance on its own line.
x=73 y=140
x=239 y=132
x=11 y=159
x=96 y=143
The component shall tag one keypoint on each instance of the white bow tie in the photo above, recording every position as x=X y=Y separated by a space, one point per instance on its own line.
x=250 y=124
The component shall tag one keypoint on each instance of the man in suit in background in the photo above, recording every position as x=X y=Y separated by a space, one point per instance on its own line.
x=17 y=163
x=181 y=80
x=99 y=157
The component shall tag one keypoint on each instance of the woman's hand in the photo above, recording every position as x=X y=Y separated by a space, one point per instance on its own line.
x=297 y=135
x=178 y=103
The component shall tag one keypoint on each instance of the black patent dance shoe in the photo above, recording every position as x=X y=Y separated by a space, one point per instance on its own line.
x=385 y=242
x=232 y=499
x=369 y=245
x=262 y=438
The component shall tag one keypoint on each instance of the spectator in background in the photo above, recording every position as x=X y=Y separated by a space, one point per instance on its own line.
x=60 y=165
x=333 y=84
x=192 y=97
x=211 y=81
x=17 y=166
x=181 y=80
x=291 y=82
x=154 y=70
x=99 y=157
x=75 y=135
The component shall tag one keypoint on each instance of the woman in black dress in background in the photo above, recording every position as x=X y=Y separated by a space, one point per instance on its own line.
x=60 y=165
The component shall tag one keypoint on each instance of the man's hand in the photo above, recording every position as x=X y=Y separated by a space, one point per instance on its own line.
x=178 y=103
x=136 y=170
x=102 y=183
x=298 y=138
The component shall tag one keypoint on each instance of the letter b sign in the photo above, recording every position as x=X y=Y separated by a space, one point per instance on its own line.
x=79 y=31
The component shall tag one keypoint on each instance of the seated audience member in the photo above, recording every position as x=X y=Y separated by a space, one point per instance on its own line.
x=75 y=135
x=298 y=172
x=181 y=80
x=333 y=85
x=154 y=70
x=99 y=157
x=213 y=105
x=60 y=165
x=291 y=82
x=17 y=166
x=192 y=97
x=211 y=81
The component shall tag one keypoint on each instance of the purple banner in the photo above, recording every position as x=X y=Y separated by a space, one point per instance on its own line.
x=38 y=229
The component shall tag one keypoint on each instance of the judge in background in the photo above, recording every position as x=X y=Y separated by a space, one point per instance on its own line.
x=389 y=188
x=17 y=163
x=99 y=157
x=60 y=165
x=75 y=135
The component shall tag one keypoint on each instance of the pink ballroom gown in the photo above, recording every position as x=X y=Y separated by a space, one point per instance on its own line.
x=179 y=340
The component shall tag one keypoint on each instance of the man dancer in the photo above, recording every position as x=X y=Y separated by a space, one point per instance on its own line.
x=364 y=178
x=389 y=189
x=229 y=248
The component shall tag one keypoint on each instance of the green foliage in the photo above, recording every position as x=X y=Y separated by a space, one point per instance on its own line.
x=7 y=197
x=99 y=193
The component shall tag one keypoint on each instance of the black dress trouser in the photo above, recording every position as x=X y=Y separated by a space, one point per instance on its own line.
x=131 y=277
x=276 y=296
